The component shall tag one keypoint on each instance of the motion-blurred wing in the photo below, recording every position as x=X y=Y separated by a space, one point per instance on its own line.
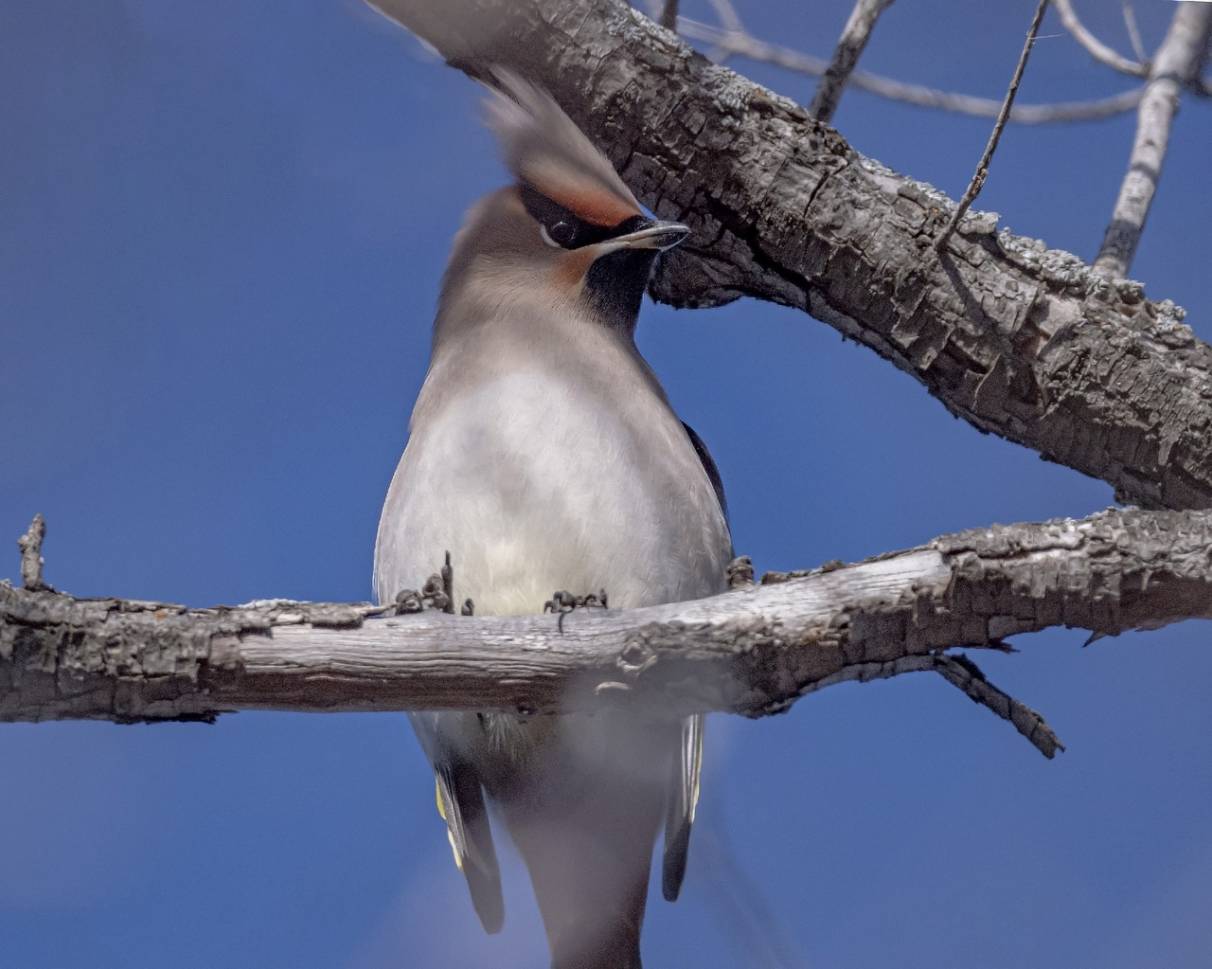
x=687 y=769
x=460 y=801
x=713 y=473
x=683 y=799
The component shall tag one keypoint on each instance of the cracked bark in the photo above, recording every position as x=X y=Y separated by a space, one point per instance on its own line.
x=753 y=651
x=1018 y=340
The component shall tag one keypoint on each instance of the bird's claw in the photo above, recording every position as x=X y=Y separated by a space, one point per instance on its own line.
x=563 y=602
x=437 y=593
x=739 y=572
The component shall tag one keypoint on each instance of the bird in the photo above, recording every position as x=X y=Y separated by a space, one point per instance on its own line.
x=543 y=454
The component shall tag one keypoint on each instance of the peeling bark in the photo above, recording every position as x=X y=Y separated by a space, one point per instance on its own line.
x=1019 y=340
x=753 y=651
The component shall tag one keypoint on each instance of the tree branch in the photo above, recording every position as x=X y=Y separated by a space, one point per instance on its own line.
x=729 y=41
x=669 y=15
x=963 y=674
x=1138 y=45
x=1176 y=65
x=1095 y=47
x=1018 y=340
x=752 y=651
x=849 y=49
x=982 y=167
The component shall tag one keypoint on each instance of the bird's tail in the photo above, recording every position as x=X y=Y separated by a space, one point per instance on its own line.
x=587 y=839
x=591 y=893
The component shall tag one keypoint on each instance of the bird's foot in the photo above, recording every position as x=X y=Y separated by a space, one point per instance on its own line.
x=562 y=603
x=436 y=594
x=740 y=572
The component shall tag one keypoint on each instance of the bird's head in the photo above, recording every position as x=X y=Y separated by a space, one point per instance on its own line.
x=568 y=233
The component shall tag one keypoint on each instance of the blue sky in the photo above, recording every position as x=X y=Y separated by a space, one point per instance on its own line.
x=221 y=231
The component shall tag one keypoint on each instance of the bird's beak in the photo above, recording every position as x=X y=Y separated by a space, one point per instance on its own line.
x=653 y=235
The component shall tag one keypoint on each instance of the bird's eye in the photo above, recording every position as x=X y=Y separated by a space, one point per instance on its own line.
x=559 y=235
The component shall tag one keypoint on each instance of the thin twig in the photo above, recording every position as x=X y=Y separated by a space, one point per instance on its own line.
x=960 y=672
x=1095 y=47
x=1177 y=63
x=982 y=168
x=1138 y=47
x=669 y=15
x=849 y=49
x=731 y=22
x=726 y=12
x=31 y=555
x=742 y=44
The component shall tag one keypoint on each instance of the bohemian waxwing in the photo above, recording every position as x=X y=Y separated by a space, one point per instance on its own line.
x=544 y=455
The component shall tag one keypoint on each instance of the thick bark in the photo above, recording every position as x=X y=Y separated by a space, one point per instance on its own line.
x=752 y=651
x=1019 y=340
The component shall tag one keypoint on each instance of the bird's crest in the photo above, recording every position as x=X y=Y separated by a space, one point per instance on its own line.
x=546 y=151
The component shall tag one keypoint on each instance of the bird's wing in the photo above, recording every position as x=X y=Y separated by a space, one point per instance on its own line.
x=460 y=800
x=682 y=798
x=713 y=473
x=687 y=768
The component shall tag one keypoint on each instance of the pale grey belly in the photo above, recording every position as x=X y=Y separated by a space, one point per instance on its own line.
x=534 y=487
x=532 y=490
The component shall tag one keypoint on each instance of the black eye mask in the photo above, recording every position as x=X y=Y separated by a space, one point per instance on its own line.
x=568 y=230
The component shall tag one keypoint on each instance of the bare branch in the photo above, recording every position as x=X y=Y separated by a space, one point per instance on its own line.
x=849 y=49
x=1061 y=112
x=669 y=15
x=1017 y=339
x=982 y=167
x=730 y=20
x=1176 y=65
x=962 y=673
x=1095 y=47
x=752 y=651
x=1138 y=46
x=30 y=545
x=728 y=17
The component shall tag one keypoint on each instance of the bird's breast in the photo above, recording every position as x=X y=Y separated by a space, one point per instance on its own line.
x=544 y=477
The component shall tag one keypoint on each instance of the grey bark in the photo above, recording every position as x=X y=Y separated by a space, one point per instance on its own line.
x=752 y=651
x=1019 y=340
x=1176 y=65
